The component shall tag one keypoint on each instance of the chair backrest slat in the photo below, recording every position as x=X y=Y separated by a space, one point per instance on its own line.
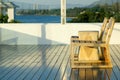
x=108 y=30
x=105 y=21
x=111 y=29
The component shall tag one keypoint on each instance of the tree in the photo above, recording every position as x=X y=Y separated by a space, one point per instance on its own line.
x=3 y=18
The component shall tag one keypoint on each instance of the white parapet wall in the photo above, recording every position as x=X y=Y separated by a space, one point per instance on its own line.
x=51 y=33
x=10 y=12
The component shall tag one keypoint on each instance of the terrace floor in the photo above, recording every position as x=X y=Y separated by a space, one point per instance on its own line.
x=50 y=62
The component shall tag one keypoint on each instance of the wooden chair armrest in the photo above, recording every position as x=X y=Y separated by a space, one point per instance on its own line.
x=74 y=38
x=88 y=43
x=88 y=31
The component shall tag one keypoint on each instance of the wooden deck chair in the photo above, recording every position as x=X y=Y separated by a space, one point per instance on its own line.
x=96 y=50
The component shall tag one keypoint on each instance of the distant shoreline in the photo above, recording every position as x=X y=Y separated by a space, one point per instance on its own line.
x=40 y=15
x=35 y=15
x=72 y=17
x=39 y=18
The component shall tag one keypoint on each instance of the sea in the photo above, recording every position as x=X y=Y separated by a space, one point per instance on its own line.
x=39 y=19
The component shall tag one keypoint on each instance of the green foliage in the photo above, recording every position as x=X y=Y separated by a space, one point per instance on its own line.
x=97 y=14
x=39 y=12
x=117 y=17
x=3 y=18
x=14 y=21
x=88 y=16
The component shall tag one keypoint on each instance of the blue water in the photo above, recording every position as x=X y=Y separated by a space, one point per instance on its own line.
x=38 y=19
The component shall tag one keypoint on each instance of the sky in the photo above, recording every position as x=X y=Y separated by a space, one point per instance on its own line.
x=85 y=2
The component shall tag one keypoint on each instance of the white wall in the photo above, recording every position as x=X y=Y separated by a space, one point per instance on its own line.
x=10 y=12
x=38 y=33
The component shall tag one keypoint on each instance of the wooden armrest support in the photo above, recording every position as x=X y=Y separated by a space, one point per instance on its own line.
x=88 y=43
x=74 y=37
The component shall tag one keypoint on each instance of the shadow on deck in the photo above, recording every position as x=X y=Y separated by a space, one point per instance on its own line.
x=50 y=62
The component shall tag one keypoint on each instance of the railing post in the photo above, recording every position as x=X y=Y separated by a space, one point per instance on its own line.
x=63 y=11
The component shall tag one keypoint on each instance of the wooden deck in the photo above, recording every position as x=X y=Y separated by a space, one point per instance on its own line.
x=50 y=62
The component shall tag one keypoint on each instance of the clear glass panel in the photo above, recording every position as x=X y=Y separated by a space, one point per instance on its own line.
x=38 y=11
x=92 y=10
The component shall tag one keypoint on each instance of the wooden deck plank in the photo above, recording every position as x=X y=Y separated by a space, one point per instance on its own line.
x=67 y=72
x=11 y=67
x=113 y=74
x=16 y=68
x=82 y=75
x=12 y=52
x=74 y=74
x=7 y=63
x=97 y=74
x=37 y=63
x=51 y=65
x=61 y=71
x=7 y=57
x=56 y=67
x=27 y=76
x=5 y=50
x=50 y=62
x=115 y=63
x=110 y=74
x=116 y=54
x=89 y=74
x=27 y=66
x=45 y=63
x=44 y=50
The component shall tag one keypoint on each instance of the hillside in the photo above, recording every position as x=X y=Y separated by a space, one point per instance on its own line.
x=103 y=2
